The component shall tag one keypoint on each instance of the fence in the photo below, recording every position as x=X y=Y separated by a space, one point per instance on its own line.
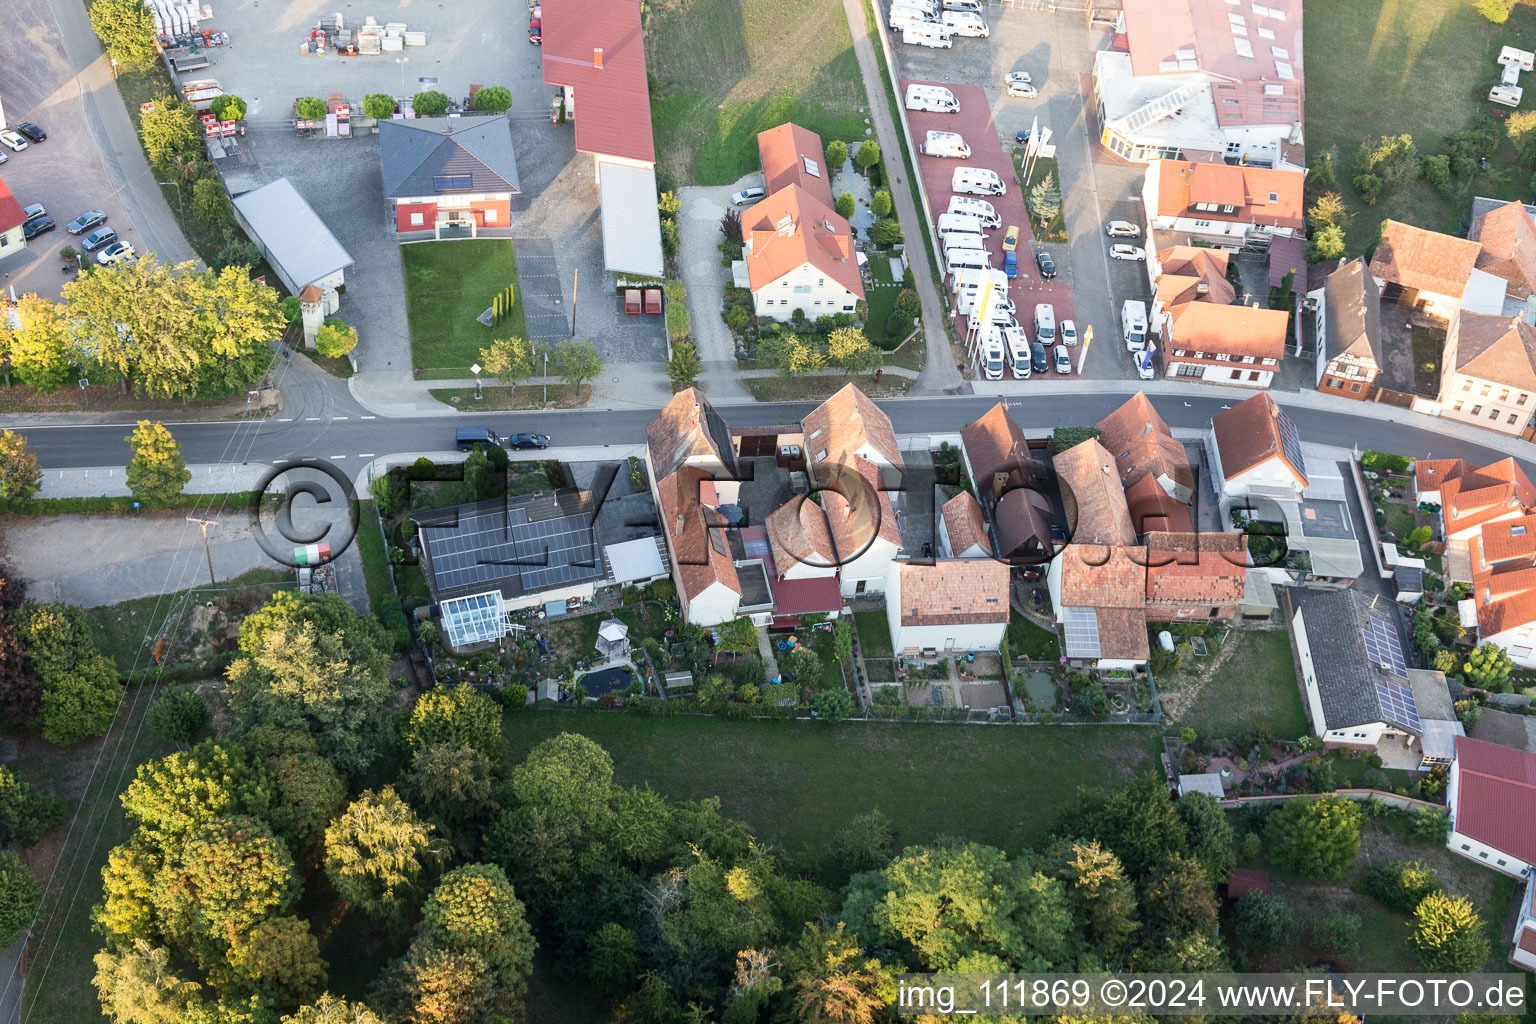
x=1405 y=803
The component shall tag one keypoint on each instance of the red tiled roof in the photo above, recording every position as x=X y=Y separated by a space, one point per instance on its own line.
x=953 y=591
x=10 y=209
x=1186 y=268
x=687 y=427
x=792 y=228
x=965 y=524
x=798 y=533
x=1142 y=445
x=1496 y=797
x=1509 y=538
x=1196 y=569
x=807 y=596
x=1181 y=184
x=858 y=510
x=784 y=151
x=1501 y=349
x=1477 y=495
x=996 y=444
x=1104 y=576
x=1091 y=493
x=1429 y=474
x=598 y=49
x=1528 y=940
x=1425 y=260
x=1122 y=634
x=1230 y=330
x=1249 y=434
x=1149 y=504
x=700 y=554
x=845 y=423
x=1508 y=239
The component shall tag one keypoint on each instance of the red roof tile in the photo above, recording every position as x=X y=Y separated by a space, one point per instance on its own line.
x=798 y=533
x=1091 y=493
x=700 y=553
x=1496 y=797
x=1196 y=569
x=1181 y=184
x=1230 y=330
x=1142 y=445
x=1100 y=576
x=792 y=155
x=597 y=48
x=1477 y=495
x=844 y=424
x=1508 y=239
x=10 y=209
x=1148 y=502
x=792 y=228
x=1425 y=260
x=1250 y=433
x=953 y=591
x=1501 y=349
x=965 y=524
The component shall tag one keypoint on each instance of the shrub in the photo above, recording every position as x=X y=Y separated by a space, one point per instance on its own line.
x=845 y=205
x=1325 y=243
x=423 y=469
x=868 y=154
x=1336 y=934
x=379 y=105
x=1263 y=921
x=1384 y=462
x=886 y=231
x=1496 y=11
x=312 y=108
x=837 y=153
x=335 y=339
x=1369 y=187
x=881 y=205
x=1436 y=170
x=514 y=695
x=738 y=318
x=178 y=714
x=679 y=323
x=1401 y=885
x=430 y=103
x=228 y=108
x=493 y=98
x=833 y=705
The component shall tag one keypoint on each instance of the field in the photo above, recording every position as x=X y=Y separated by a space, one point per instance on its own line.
x=724 y=70
x=1385 y=67
x=795 y=784
x=447 y=285
x=1255 y=688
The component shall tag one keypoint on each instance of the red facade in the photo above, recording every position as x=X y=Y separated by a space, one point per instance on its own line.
x=422 y=216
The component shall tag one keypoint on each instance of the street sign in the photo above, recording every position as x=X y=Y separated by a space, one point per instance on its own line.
x=83 y=383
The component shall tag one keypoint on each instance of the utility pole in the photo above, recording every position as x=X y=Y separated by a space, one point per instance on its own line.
x=205 y=523
x=575 y=284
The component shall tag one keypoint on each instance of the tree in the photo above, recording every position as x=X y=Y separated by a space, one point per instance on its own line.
x=837 y=154
x=178 y=714
x=569 y=776
x=1448 y=935
x=310 y=662
x=1210 y=836
x=459 y=715
x=832 y=980
x=138 y=986
x=239 y=251
x=881 y=205
x=390 y=492
x=481 y=476
x=1045 y=198
x=684 y=365
x=737 y=636
x=434 y=986
x=1369 y=187
x=330 y=1010
x=578 y=362
x=312 y=108
x=78 y=686
x=1393 y=159
x=430 y=103
x=868 y=155
x=803 y=665
x=25 y=813
x=1401 y=885
x=1496 y=11
x=849 y=350
x=157 y=472
x=376 y=852
x=863 y=844
x=19 y=693
x=379 y=105
x=450 y=782
x=1436 y=171
x=40 y=349
x=127 y=33
x=20 y=475
x=613 y=959
x=1488 y=668
x=474 y=910
x=335 y=339
x=170 y=132
x=886 y=231
x=1315 y=838
x=494 y=99
x=845 y=205
x=1336 y=934
x=1179 y=898
x=833 y=705
x=307 y=790
x=210 y=204
x=1137 y=822
x=1266 y=923
x=279 y=959
x=1102 y=897
x=228 y=108
x=509 y=360
x=1327 y=209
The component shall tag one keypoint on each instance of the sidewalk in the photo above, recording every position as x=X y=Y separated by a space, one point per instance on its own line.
x=402 y=396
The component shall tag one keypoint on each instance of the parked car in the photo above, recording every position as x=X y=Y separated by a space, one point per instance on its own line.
x=32 y=131
x=1045 y=265
x=15 y=143
x=1022 y=138
x=1022 y=90
x=33 y=210
x=536 y=26
x=86 y=221
x=518 y=442
x=1038 y=362
x=1122 y=229
x=36 y=226
x=1143 y=363
x=748 y=196
x=98 y=238
x=1068 y=332
x=1063 y=360
x=1017 y=76
x=3 y=158
x=1127 y=252
x=115 y=253
x=465 y=438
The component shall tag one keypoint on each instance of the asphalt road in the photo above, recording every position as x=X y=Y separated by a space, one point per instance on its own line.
x=365 y=437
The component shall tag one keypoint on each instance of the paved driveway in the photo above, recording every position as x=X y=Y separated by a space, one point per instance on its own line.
x=699 y=232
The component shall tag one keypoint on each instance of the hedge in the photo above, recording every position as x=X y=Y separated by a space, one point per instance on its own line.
x=1385 y=461
x=122 y=505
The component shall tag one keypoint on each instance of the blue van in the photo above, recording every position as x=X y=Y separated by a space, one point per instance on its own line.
x=465 y=438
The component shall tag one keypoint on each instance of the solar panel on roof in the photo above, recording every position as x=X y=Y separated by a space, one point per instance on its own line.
x=1398 y=705
x=1290 y=441
x=452 y=182
x=494 y=546
x=1383 y=647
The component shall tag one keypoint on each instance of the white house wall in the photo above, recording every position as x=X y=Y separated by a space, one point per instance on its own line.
x=965 y=637
x=871 y=568
x=1517 y=643
x=804 y=288
x=1210 y=373
x=1308 y=673
x=1486 y=855
x=715 y=604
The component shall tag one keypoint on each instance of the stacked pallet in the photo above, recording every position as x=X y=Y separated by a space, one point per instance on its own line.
x=175 y=17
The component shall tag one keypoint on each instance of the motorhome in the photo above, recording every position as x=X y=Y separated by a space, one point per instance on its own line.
x=1045 y=324
x=975 y=239
x=976 y=208
x=1017 y=344
x=977 y=181
x=946 y=144
x=973 y=6
x=961 y=222
x=990 y=358
x=969 y=287
x=965 y=23
x=1133 y=324
x=933 y=98
x=957 y=260
x=919 y=33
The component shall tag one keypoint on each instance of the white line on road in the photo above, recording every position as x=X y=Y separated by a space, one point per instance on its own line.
x=338 y=456
x=367 y=417
x=288 y=420
x=366 y=455
x=311 y=419
x=338 y=417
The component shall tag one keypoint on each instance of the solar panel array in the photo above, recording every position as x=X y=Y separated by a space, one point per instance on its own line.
x=478 y=618
x=1398 y=705
x=1383 y=647
x=498 y=545
x=1082 y=628
x=1290 y=442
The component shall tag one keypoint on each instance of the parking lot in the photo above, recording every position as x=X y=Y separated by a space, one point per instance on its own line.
x=554 y=220
x=1057 y=51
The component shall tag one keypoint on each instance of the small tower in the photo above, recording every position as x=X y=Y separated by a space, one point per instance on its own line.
x=312 y=306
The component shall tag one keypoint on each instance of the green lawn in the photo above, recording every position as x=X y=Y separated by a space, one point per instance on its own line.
x=1255 y=688
x=1385 y=67
x=447 y=285
x=874 y=634
x=1027 y=640
x=724 y=70
x=795 y=783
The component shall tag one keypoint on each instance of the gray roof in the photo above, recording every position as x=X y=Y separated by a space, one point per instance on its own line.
x=291 y=234
x=1409 y=579
x=1431 y=695
x=1352 y=310
x=1482 y=205
x=1506 y=729
x=417 y=153
x=1208 y=783
x=631 y=221
x=1335 y=622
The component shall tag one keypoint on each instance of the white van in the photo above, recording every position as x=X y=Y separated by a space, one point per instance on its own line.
x=1017 y=344
x=965 y=23
x=976 y=208
x=1045 y=324
x=959 y=241
x=960 y=222
x=977 y=181
x=925 y=33
x=947 y=144
x=948 y=233
x=957 y=260
x=929 y=7
x=989 y=357
x=973 y=6
x=970 y=285
x=902 y=16
x=933 y=98
x=1133 y=324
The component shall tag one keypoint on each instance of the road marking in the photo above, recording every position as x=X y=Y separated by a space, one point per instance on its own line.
x=338 y=456
x=311 y=419
x=367 y=417
x=338 y=417
x=366 y=455
x=288 y=420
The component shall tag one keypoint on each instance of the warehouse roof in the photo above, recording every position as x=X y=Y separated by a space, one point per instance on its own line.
x=295 y=239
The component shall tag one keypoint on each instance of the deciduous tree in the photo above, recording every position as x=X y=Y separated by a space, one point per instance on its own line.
x=1325 y=243
x=509 y=360
x=19 y=693
x=278 y=959
x=127 y=33
x=1448 y=935
x=40 y=347
x=20 y=475
x=157 y=472
x=494 y=99
x=335 y=338
x=228 y=108
x=379 y=105
x=307 y=789
x=568 y=776
x=868 y=155
x=1102 y=897
x=578 y=362
x=849 y=350
x=1488 y=667
x=312 y=108
x=178 y=714
x=140 y=986
x=211 y=205
x=475 y=910
x=434 y=986
x=78 y=686
x=837 y=154
x=832 y=980
x=430 y=103
x=1315 y=838
x=456 y=715
x=21 y=896
x=376 y=853
x=170 y=131
x=173 y=796
x=330 y=1010
x=1180 y=899
x=450 y=782
x=25 y=813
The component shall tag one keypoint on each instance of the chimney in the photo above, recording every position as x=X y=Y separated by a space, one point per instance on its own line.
x=678 y=529
x=597 y=56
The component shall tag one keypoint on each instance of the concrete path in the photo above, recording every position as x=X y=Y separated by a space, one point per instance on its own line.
x=940 y=373
x=699 y=265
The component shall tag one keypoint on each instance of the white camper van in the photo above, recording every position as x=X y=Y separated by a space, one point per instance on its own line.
x=957 y=260
x=989 y=356
x=970 y=285
x=977 y=181
x=933 y=98
x=1017 y=344
x=902 y=16
x=923 y=33
x=1133 y=324
x=960 y=240
x=948 y=144
x=1045 y=324
x=976 y=208
x=965 y=23
x=960 y=222
x=973 y=6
